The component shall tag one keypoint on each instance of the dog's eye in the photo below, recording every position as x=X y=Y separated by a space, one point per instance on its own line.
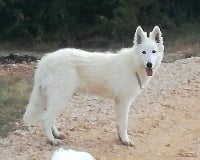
x=143 y=52
x=153 y=51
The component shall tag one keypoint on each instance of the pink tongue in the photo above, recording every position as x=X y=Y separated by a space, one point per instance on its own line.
x=149 y=71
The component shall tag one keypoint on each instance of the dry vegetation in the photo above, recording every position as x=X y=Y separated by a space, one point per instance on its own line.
x=15 y=85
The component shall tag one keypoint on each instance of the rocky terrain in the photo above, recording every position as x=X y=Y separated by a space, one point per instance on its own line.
x=164 y=121
x=14 y=59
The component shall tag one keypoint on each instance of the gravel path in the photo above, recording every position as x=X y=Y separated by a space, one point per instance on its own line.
x=164 y=122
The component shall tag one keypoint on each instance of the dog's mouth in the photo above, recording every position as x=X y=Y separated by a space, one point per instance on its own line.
x=149 y=71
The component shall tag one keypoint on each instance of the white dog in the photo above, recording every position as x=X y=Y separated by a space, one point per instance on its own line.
x=62 y=154
x=120 y=76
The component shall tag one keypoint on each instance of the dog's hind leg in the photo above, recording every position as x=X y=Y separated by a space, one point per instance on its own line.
x=122 y=109
x=58 y=98
x=55 y=106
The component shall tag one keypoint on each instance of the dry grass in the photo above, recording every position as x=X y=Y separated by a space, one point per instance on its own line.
x=182 y=42
x=13 y=98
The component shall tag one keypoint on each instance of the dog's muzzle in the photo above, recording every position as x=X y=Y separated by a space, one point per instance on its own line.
x=149 y=69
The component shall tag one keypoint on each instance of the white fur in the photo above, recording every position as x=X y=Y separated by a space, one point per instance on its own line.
x=62 y=154
x=120 y=76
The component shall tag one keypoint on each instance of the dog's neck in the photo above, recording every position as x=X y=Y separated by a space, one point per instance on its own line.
x=138 y=80
x=142 y=78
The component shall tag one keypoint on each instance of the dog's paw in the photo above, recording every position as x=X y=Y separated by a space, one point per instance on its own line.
x=54 y=142
x=128 y=143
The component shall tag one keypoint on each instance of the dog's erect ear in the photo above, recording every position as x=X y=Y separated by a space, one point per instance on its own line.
x=140 y=35
x=156 y=35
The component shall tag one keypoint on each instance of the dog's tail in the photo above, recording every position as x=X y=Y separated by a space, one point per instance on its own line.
x=35 y=108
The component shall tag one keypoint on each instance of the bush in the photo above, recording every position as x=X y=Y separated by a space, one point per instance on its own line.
x=76 y=21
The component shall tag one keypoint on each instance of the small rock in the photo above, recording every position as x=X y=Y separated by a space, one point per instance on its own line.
x=168 y=145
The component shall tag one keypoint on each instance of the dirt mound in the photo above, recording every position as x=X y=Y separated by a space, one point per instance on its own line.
x=163 y=122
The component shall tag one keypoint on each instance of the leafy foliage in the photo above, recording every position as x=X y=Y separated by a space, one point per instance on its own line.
x=71 y=21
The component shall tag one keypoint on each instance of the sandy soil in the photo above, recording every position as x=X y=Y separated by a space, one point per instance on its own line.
x=164 y=122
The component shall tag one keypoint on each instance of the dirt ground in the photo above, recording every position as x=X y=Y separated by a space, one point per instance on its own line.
x=164 y=122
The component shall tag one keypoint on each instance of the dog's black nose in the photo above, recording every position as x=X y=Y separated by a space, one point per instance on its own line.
x=149 y=65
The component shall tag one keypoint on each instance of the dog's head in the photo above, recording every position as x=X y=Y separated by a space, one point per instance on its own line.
x=150 y=49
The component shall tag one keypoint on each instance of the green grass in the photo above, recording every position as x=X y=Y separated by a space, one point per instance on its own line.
x=13 y=98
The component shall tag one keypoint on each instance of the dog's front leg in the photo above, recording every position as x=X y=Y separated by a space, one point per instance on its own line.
x=122 y=109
